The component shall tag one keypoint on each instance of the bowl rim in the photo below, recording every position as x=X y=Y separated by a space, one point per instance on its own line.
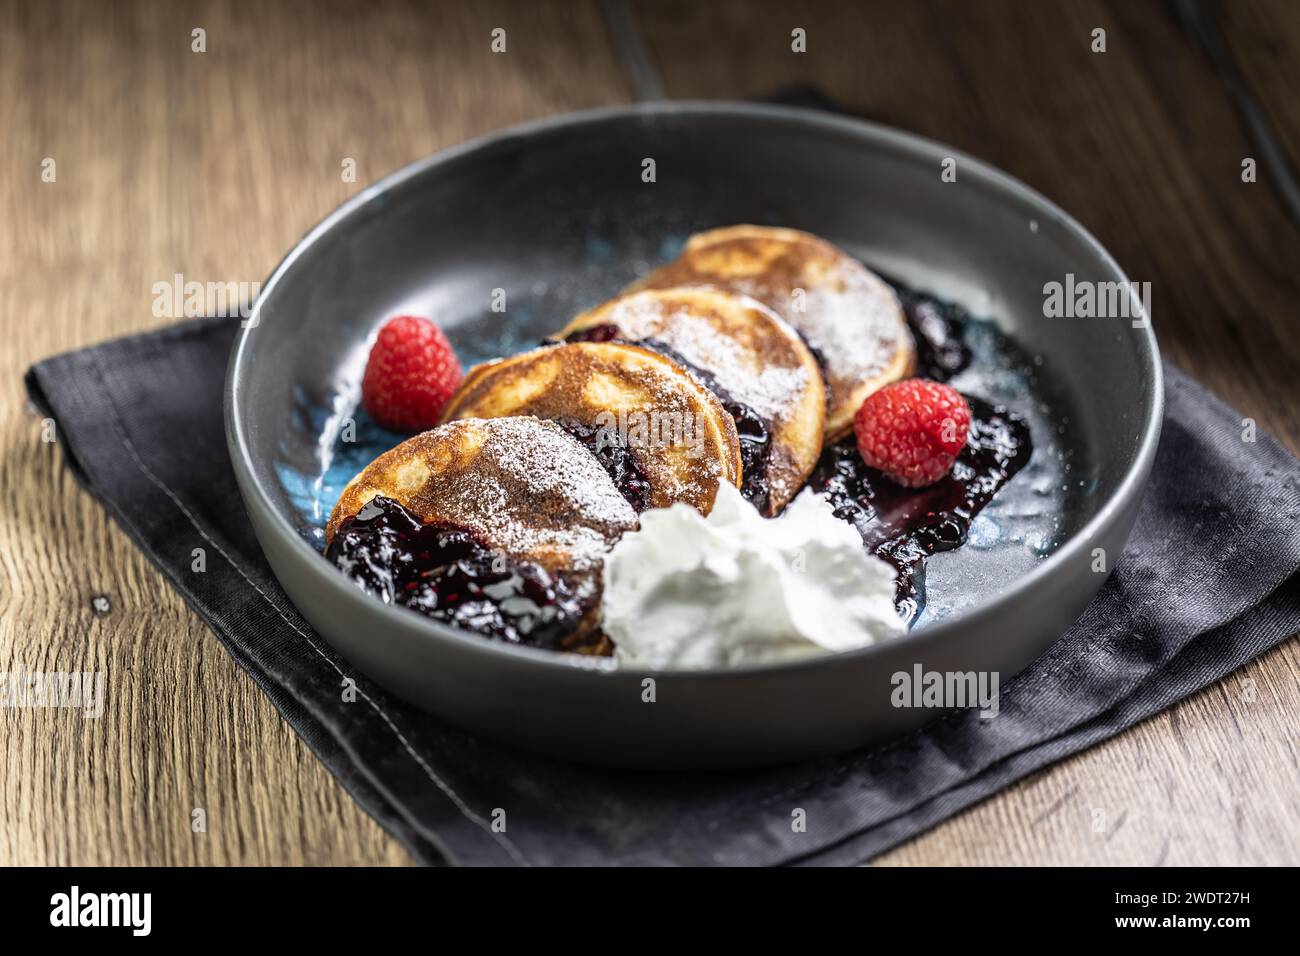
x=877 y=135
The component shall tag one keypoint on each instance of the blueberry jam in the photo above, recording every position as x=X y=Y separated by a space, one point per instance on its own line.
x=442 y=571
x=905 y=525
x=614 y=457
x=605 y=332
x=941 y=351
x=752 y=429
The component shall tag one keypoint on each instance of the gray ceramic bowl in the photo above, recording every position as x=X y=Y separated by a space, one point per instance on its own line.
x=558 y=216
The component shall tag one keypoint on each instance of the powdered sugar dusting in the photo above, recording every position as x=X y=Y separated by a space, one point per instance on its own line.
x=539 y=490
x=674 y=428
x=849 y=315
x=855 y=320
x=756 y=379
x=683 y=460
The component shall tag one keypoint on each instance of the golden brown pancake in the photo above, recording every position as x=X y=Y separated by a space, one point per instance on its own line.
x=674 y=429
x=747 y=354
x=520 y=486
x=849 y=315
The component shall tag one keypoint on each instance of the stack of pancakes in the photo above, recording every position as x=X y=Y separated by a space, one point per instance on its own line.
x=736 y=362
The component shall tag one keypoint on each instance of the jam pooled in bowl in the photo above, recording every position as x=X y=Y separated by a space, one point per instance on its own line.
x=444 y=572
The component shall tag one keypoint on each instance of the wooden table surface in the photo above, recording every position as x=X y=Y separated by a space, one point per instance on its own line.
x=212 y=164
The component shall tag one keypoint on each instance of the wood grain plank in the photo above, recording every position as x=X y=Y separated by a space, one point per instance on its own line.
x=1264 y=36
x=210 y=165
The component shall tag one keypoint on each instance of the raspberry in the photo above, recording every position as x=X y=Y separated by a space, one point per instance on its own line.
x=411 y=372
x=912 y=430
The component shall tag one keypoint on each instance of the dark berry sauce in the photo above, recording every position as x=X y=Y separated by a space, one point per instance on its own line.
x=941 y=350
x=605 y=332
x=753 y=430
x=610 y=450
x=444 y=572
x=905 y=525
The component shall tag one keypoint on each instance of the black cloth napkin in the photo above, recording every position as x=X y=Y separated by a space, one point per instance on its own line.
x=1208 y=581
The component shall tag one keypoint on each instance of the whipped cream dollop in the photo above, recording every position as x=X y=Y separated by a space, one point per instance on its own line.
x=686 y=591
